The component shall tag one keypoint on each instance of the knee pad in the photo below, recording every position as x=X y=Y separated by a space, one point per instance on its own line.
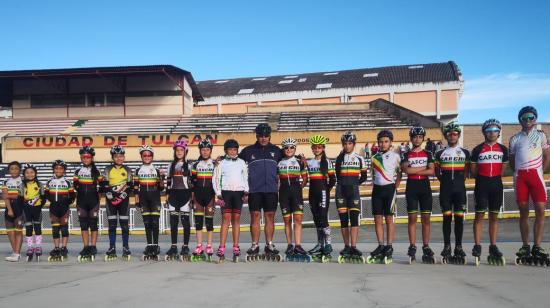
x=37 y=227
x=344 y=219
x=209 y=221
x=124 y=226
x=55 y=232
x=198 y=222
x=93 y=224
x=65 y=231
x=28 y=229
x=354 y=218
x=84 y=224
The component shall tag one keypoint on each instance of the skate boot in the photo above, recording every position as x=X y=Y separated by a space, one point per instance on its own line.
x=344 y=255
x=427 y=255
x=412 y=254
x=252 y=254
x=85 y=255
x=198 y=254
x=221 y=254
x=356 y=256
x=30 y=254
x=55 y=255
x=64 y=253
x=299 y=254
x=377 y=255
x=209 y=253
x=236 y=254
x=476 y=253
x=38 y=253
x=93 y=250
x=271 y=253
x=172 y=254
x=326 y=253
x=446 y=255
x=184 y=253
x=495 y=257
x=523 y=256
x=289 y=253
x=126 y=253
x=110 y=254
x=147 y=253
x=540 y=257
x=459 y=256
x=388 y=254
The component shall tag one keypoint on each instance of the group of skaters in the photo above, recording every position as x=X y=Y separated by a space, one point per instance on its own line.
x=265 y=176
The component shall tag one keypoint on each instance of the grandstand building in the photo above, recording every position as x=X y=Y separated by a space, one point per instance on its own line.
x=54 y=111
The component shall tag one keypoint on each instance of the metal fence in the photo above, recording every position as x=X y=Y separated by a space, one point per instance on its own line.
x=136 y=219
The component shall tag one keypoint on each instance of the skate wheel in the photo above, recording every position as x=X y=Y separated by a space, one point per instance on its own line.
x=324 y=259
x=308 y=259
x=92 y=258
x=236 y=259
x=278 y=258
x=411 y=260
x=477 y=260
x=49 y=259
x=340 y=260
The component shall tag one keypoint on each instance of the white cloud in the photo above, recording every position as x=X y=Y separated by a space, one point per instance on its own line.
x=504 y=90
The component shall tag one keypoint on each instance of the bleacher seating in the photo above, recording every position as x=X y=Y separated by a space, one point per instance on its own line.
x=127 y=126
x=335 y=120
x=35 y=127
x=221 y=123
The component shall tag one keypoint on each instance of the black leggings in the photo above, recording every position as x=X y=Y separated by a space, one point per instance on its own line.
x=186 y=223
x=33 y=220
x=319 y=201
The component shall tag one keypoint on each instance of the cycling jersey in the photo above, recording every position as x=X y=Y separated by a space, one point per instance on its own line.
x=351 y=169
x=452 y=163
x=59 y=189
x=178 y=176
x=527 y=149
x=290 y=171
x=148 y=178
x=489 y=159
x=14 y=187
x=417 y=159
x=231 y=174
x=202 y=172
x=385 y=167
x=33 y=193
x=316 y=177
x=117 y=176
x=84 y=182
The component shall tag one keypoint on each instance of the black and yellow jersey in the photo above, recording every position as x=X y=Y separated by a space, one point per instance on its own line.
x=33 y=193
x=117 y=178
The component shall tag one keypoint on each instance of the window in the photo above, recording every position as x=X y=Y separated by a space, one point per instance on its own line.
x=302 y=79
x=221 y=81
x=258 y=79
x=285 y=81
x=332 y=73
x=370 y=75
x=415 y=66
x=323 y=86
x=291 y=77
x=245 y=91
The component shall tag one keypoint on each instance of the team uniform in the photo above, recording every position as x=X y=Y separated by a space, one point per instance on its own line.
x=490 y=161
x=351 y=171
x=319 y=191
x=86 y=187
x=527 y=149
x=179 y=200
x=452 y=162
x=148 y=184
x=33 y=202
x=385 y=167
x=14 y=188
x=60 y=193
x=231 y=183
x=290 y=171
x=117 y=184
x=201 y=177
x=418 y=192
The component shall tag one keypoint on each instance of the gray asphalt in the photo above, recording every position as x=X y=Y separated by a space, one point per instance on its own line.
x=167 y=284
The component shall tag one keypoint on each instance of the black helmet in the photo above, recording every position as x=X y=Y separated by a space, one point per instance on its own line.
x=527 y=109
x=86 y=150
x=59 y=162
x=490 y=122
x=451 y=127
x=263 y=129
x=417 y=131
x=384 y=133
x=205 y=143
x=230 y=144
x=29 y=166
x=117 y=149
x=348 y=136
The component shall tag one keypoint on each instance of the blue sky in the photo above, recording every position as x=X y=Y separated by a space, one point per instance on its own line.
x=501 y=47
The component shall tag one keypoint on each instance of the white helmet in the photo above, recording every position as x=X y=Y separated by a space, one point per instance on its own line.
x=144 y=148
x=289 y=142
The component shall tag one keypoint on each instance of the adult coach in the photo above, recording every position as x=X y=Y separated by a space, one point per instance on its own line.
x=262 y=159
x=529 y=153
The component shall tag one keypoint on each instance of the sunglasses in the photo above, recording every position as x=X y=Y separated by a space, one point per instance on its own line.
x=528 y=117
x=290 y=148
x=492 y=130
x=86 y=156
x=454 y=134
x=146 y=155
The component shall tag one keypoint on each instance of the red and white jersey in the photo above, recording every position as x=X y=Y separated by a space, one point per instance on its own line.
x=416 y=159
x=489 y=159
x=527 y=149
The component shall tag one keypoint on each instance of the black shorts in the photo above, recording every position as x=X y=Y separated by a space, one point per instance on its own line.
x=233 y=201
x=291 y=200
x=87 y=205
x=488 y=194
x=204 y=195
x=59 y=213
x=348 y=198
x=33 y=214
x=418 y=193
x=262 y=201
x=452 y=197
x=149 y=202
x=15 y=222
x=383 y=199
x=179 y=200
